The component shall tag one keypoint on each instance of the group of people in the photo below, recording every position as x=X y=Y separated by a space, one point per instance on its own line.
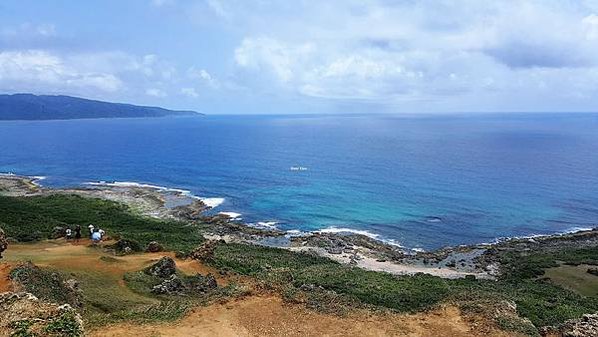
x=95 y=234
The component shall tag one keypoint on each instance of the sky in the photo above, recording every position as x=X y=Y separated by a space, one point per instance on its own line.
x=307 y=56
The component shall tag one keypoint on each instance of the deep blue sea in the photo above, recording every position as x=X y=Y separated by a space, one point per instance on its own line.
x=423 y=182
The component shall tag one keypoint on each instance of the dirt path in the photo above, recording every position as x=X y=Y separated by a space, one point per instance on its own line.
x=270 y=316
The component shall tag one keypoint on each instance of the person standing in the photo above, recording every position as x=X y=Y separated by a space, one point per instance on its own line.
x=77 y=233
x=96 y=237
x=91 y=227
x=69 y=234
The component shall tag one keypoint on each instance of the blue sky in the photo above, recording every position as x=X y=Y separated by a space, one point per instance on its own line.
x=307 y=56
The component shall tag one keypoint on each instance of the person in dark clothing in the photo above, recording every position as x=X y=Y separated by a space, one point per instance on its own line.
x=77 y=233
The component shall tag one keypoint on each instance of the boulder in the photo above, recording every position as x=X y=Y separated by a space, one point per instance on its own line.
x=205 y=252
x=125 y=247
x=164 y=268
x=58 y=232
x=202 y=284
x=170 y=286
x=586 y=326
x=43 y=318
x=154 y=247
x=46 y=284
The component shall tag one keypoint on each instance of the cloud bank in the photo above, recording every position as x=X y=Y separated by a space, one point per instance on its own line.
x=386 y=55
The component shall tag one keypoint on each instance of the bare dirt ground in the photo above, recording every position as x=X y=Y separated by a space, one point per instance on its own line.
x=5 y=284
x=270 y=316
x=255 y=315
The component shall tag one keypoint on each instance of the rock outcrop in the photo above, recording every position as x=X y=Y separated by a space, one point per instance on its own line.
x=154 y=247
x=205 y=252
x=172 y=283
x=58 y=232
x=23 y=314
x=164 y=268
x=171 y=286
x=46 y=285
x=586 y=326
x=3 y=242
x=125 y=247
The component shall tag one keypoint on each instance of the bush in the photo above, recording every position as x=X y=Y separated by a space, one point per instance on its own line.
x=65 y=325
x=303 y=270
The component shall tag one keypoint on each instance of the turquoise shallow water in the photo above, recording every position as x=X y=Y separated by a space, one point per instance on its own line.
x=423 y=182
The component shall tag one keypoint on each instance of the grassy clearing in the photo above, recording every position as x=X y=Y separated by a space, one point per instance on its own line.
x=575 y=278
x=32 y=218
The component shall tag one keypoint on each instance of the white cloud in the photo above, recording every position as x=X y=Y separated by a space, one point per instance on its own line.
x=155 y=92
x=189 y=92
x=269 y=55
x=218 y=7
x=204 y=76
x=22 y=70
x=416 y=50
x=590 y=23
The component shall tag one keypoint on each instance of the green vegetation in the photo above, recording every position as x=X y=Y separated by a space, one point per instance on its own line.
x=44 y=107
x=45 y=284
x=33 y=218
x=281 y=267
x=517 y=265
x=65 y=325
x=576 y=278
x=21 y=328
x=538 y=300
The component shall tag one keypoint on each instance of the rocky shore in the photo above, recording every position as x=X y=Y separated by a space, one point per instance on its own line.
x=480 y=261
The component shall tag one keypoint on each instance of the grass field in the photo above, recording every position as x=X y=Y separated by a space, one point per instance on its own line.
x=575 y=278
x=28 y=219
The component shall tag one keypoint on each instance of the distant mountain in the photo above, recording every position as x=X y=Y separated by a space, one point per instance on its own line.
x=45 y=107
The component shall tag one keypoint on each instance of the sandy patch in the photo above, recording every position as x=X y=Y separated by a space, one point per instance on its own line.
x=370 y=263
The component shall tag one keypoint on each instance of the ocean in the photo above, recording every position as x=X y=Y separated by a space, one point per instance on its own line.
x=421 y=182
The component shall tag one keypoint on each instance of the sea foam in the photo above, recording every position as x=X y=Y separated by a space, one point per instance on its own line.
x=211 y=202
x=360 y=232
x=263 y=224
x=232 y=215
x=533 y=236
x=348 y=230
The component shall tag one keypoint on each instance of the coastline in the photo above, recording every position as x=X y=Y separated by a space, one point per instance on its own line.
x=354 y=247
